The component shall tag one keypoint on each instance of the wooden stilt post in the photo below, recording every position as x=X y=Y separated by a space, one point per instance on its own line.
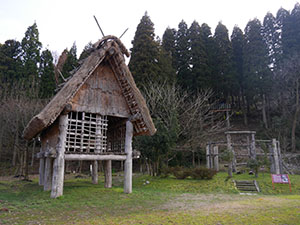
x=211 y=157
x=252 y=147
x=276 y=158
x=207 y=156
x=48 y=174
x=42 y=170
x=95 y=172
x=279 y=157
x=59 y=162
x=248 y=146
x=216 y=158
x=227 y=119
x=41 y=156
x=128 y=161
x=229 y=147
x=271 y=158
x=108 y=174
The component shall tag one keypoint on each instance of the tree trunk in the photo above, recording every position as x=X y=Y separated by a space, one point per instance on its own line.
x=264 y=113
x=294 y=125
x=1 y=138
x=193 y=159
x=230 y=169
x=26 y=162
x=244 y=108
x=21 y=160
x=16 y=147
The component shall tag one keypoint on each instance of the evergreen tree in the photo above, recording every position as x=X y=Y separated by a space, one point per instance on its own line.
x=10 y=63
x=200 y=77
x=208 y=55
x=238 y=44
x=166 y=71
x=71 y=62
x=256 y=58
x=182 y=56
x=256 y=70
x=31 y=47
x=169 y=44
x=282 y=23
x=292 y=36
x=47 y=85
x=144 y=53
x=86 y=51
x=271 y=36
x=223 y=72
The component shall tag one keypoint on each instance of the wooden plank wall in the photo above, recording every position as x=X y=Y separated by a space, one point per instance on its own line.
x=101 y=94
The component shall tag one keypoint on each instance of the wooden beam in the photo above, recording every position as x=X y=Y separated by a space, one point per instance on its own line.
x=128 y=161
x=108 y=174
x=91 y=157
x=59 y=162
x=240 y=132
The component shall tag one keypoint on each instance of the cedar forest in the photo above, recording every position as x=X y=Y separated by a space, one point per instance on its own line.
x=183 y=76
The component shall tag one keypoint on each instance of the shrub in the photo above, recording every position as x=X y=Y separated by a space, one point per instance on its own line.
x=180 y=172
x=166 y=172
x=203 y=173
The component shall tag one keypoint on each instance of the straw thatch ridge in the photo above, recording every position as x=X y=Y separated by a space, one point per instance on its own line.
x=108 y=48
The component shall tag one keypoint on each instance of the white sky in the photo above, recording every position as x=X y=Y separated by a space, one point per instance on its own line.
x=61 y=22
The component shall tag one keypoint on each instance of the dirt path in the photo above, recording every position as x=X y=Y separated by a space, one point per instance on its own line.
x=221 y=202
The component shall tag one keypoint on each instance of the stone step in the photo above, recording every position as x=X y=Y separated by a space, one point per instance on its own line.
x=245 y=185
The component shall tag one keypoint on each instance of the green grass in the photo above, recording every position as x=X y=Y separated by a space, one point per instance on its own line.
x=162 y=201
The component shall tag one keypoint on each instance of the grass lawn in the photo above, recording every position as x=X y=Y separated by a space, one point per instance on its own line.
x=162 y=201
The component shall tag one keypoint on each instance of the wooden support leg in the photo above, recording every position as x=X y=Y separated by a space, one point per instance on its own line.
x=276 y=158
x=128 y=161
x=230 y=149
x=252 y=147
x=42 y=171
x=234 y=163
x=59 y=162
x=108 y=174
x=216 y=158
x=95 y=172
x=48 y=174
x=207 y=157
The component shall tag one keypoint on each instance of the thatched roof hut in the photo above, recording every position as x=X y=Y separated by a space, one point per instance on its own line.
x=92 y=117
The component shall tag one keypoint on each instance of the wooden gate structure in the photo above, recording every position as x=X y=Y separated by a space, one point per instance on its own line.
x=244 y=146
x=93 y=117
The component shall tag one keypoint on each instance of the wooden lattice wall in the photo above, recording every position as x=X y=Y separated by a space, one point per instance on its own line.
x=86 y=133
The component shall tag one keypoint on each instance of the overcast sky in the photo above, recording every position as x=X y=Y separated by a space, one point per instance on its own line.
x=62 y=22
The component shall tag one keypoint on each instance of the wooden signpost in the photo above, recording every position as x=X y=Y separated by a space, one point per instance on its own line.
x=281 y=179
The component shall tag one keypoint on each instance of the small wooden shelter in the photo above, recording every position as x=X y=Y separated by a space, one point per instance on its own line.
x=93 y=117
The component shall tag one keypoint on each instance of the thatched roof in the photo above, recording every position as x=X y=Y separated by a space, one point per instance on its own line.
x=111 y=50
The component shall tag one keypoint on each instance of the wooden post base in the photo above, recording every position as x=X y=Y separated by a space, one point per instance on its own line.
x=108 y=174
